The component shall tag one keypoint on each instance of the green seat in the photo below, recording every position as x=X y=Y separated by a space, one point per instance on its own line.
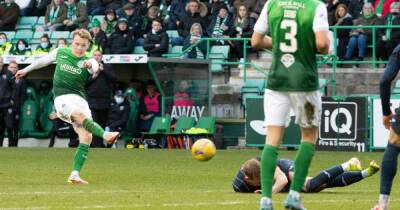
x=322 y=85
x=172 y=34
x=26 y=23
x=177 y=50
x=59 y=34
x=139 y=50
x=397 y=85
x=160 y=126
x=218 y=54
x=183 y=123
x=396 y=91
x=45 y=124
x=29 y=113
x=207 y=123
x=23 y=34
x=252 y=87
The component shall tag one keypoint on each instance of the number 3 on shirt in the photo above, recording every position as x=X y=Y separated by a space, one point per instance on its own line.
x=290 y=36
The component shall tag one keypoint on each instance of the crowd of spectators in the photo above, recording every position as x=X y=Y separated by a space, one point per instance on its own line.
x=132 y=23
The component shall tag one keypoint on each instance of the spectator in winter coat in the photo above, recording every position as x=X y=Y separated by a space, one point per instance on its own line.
x=109 y=22
x=99 y=41
x=6 y=88
x=119 y=113
x=55 y=15
x=220 y=26
x=77 y=16
x=17 y=99
x=242 y=28
x=360 y=37
x=134 y=19
x=194 y=14
x=98 y=93
x=342 y=18
x=198 y=52
x=156 y=41
x=176 y=13
x=9 y=14
x=122 y=40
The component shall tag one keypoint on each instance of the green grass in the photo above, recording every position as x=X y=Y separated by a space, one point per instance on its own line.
x=158 y=179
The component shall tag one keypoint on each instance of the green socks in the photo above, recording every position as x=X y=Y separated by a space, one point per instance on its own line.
x=93 y=127
x=301 y=165
x=80 y=157
x=268 y=163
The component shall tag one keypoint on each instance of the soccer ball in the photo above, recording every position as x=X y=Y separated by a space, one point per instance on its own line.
x=203 y=149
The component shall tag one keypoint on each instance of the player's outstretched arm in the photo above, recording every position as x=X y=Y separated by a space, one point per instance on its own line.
x=280 y=181
x=39 y=63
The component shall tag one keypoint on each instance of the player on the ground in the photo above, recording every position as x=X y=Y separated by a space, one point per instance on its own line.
x=392 y=123
x=297 y=30
x=247 y=179
x=70 y=77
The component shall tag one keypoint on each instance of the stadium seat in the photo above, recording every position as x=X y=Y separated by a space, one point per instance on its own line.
x=323 y=86
x=139 y=50
x=172 y=34
x=59 y=34
x=26 y=23
x=23 y=34
x=177 y=139
x=40 y=22
x=252 y=87
x=176 y=51
x=218 y=54
x=29 y=113
x=160 y=126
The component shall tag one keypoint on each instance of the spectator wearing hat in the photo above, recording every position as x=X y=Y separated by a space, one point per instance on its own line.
x=98 y=93
x=156 y=41
x=119 y=113
x=109 y=22
x=122 y=40
x=176 y=13
x=21 y=48
x=9 y=14
x=134 y=19
x=220 y=26
x=5 y=45
x=77 y=16
x=99 y=40
x=149 y=107
x=55 y=15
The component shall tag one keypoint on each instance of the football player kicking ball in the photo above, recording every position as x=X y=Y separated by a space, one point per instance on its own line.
x=247 y=179
x=297 y=30
x=70 y=77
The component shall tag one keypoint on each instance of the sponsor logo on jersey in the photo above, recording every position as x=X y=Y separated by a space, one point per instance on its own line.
x=70 y=69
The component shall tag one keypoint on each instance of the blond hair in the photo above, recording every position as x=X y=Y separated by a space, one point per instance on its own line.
x=83 y=33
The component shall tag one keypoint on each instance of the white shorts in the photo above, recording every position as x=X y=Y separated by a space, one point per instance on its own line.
x=306 y=106
x=65 y=105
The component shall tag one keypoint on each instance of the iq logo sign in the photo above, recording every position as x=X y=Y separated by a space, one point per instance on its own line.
x=342 y=126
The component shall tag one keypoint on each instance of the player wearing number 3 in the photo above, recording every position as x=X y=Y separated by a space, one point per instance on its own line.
x=70 y=77
x=297 y=30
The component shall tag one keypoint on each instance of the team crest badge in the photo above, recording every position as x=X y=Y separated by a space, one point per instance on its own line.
x=287 y=60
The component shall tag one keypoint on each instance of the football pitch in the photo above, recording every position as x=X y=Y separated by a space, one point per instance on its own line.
x=160 y=179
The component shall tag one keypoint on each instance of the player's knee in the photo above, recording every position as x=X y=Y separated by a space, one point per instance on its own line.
x=78 y=116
